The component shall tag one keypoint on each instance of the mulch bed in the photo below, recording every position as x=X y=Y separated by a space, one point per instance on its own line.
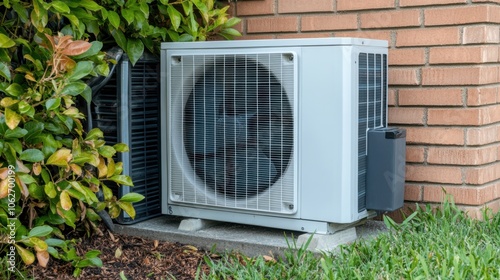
x=138 y=258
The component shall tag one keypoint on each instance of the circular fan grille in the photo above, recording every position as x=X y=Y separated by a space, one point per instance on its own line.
x=238 y=127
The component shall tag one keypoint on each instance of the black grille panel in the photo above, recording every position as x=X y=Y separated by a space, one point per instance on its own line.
x=137 y=126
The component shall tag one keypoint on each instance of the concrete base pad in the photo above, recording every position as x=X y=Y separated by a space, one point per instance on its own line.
x=327 y=242
x=195 y=224
x=249 y=240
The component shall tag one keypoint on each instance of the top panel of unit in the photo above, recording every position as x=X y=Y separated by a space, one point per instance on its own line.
x=341 y=41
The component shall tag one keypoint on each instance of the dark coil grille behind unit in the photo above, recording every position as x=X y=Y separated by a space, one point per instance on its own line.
x=137 y=91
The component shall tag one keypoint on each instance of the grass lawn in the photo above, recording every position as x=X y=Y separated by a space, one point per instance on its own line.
x=429 y=244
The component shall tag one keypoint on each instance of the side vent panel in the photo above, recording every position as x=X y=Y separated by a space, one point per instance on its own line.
x=127 y=110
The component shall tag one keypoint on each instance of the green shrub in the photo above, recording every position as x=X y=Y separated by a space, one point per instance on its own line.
x=51 y=169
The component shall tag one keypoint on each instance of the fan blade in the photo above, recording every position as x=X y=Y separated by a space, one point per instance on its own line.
x=253 y=171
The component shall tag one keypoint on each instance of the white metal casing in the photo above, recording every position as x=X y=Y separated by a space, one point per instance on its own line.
x=326 y=130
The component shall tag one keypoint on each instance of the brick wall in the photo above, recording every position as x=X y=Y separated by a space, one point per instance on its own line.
x=444 y=81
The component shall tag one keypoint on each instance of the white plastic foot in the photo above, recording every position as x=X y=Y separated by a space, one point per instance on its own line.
x=327 y=242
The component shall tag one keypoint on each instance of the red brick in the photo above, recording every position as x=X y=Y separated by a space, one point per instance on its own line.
x=462 y=15
x=272 y=24
x=407 y=3
x=461 y=195
x=483 y=174
x=482 y=135
x=398 y=115
x=431 y=97
x=350 y=5
x=477 y=75
x=385 y=19
x=256 y=37
x=329 y=22
x=247 y=8
x=428 y=36
x=371 y=34
x=407 y=56
x=479 y=96
x=415 y=154
x=413 y=192
x=435 y=135
x=461 y=55
x=299 y=6
x=303 y=35
x=391 y=97
x=454 y=116
x=403 y=76
x=481 y=34
x=434 y=174
x=462 y=156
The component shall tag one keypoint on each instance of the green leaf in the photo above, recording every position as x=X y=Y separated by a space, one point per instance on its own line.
x=92 y=254
x=122 y=180
x=27 y=256
x=232 y=22
x=25 y=108
x=50 y=190
x=74 y=88
x=32 y=155
x=107 y=151
x=82 y=69
x=22 y=12
x=121 y=147
x=73 y=19
x=6 y=42
x=5 y=71
x=135 y=49
x=89 y=5
x=60 y=6
x=26 y=178
x=52 y=103
x=119 y=37
x=132 y=197
x=230 y=33
x=54 y=242
x=108 y=193
x=94 y=134
x=14 y=90
x=175 y=17
x=87 y=94
x=114 y=19
x=40 y=231
x=60 y=158
x=128 y=15
x=15 y=133
x=89 y=262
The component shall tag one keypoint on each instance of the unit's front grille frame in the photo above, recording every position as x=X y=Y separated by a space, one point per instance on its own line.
x=185 y=184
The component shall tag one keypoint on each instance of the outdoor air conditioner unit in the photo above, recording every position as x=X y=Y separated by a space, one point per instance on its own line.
x=271 y=132
x=127 y=110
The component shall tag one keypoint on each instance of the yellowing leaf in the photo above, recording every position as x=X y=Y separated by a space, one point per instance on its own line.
x=4 y=188
x=26 y=255
x=66 y=203
x=60 y=158
x=76 y=169
x=127 y=207
x=37 y=168
x=111 y=168
x=12 y=118
x=118 y=253
x=102 y=168
x=43 y=258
